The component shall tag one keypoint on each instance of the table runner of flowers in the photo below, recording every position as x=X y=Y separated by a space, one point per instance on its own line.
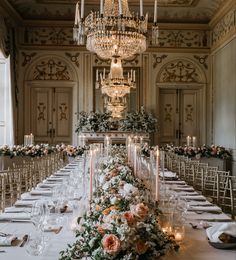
x=123 y=219
x=215 y=151
x=40 y=150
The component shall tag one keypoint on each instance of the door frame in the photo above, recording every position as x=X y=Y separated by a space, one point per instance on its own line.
x=201 y=87
x=50 y=84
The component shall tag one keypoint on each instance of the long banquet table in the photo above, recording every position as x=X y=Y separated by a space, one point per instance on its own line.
x=194 y=246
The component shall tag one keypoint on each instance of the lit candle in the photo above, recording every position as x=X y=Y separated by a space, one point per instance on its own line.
x=104 y=73
x=82 y=9
x=91 y=176
x=188 y=140
x=96 y=74
x=141 y=8
x=120 y=7
x=135 y=160
x=76 y=13
x=157 y=175
x=134 y=77
x=31 y=139
x=101 y=6
x=155 y=11
x=178 y=237
x=194 y=139
x=141 y=139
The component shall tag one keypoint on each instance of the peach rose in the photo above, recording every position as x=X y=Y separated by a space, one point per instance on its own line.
x=129 y=217
x=141 y=247
x=113 y=173
x=141 y=210
x=106 y=211
x=100 y=230
x=111 y=244
x=98 y=208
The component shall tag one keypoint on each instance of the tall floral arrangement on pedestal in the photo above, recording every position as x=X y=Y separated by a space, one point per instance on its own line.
x=139 y=121
x=94 y=122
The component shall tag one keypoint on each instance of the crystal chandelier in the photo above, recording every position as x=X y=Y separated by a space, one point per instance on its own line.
x=114 y=30
x=114 y=33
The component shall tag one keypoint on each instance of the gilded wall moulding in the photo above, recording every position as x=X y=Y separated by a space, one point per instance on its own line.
x=224 y=28
x=45 y=36
x=27 y=58
x=158 y=59
x=202 y=60
x=73 y=58
x=184 y=39
x=182 y=3
x=180 y=71
x=51 y=69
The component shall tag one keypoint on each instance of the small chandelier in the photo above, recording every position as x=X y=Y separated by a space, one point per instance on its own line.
x=116 y=106
x=116 y=85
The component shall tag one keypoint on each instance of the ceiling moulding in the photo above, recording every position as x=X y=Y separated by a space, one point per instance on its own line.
x=226 y=6
x=10 y=12
x=176 y=3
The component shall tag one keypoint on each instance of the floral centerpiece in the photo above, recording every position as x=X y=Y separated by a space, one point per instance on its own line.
x=139 y=121
x=123 y=220
x=40 y=150
x=215 y=151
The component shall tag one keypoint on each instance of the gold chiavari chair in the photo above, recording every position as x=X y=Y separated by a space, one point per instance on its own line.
x=14 y=180
x=213 y=180
x=2 y=191
x=200 y=175
x=227 y=194
x=194 y=169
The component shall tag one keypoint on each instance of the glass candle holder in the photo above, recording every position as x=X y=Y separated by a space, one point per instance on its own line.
x=178 y=232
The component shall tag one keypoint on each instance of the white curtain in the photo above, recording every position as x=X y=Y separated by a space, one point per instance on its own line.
x=6 y=107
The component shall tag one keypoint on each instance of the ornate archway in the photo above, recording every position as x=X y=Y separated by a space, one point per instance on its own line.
x=181 y=98
x=50 y=99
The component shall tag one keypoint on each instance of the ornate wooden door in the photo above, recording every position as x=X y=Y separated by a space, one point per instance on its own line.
x=51 y=114
x=179 y=115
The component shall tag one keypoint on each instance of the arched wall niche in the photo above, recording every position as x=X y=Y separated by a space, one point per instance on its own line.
x=181 y=88
x=51 y=71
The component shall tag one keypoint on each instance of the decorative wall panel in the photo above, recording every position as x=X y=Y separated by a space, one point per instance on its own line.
x=184 y=39
x=224 y=28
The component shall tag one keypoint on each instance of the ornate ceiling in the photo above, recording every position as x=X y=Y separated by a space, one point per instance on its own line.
x=188 y=11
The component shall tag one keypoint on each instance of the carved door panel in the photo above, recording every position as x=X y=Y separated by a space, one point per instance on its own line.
x=179 y=115
x=51 y=114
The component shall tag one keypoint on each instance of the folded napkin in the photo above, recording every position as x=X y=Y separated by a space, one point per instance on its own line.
x=176 y=182
x=52 y=178
x=24 y=203
x=15 y=216
x=47 y=185
x=183 y=188
x=216 y=231
x=41 y=192
x=17 y=210
x=168 y=174
x=198 y=197
x=205 y=209
x=187 y=193
x=199 y=203
x=61 y=174
x=6 y=241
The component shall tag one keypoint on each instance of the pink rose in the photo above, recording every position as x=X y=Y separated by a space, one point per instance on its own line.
x=141 y=210
x=129 y=217
x=111 y=244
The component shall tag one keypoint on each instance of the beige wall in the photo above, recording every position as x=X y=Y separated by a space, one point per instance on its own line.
x=224 y=96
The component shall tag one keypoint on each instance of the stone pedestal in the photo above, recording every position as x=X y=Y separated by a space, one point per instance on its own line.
x=117 y=137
